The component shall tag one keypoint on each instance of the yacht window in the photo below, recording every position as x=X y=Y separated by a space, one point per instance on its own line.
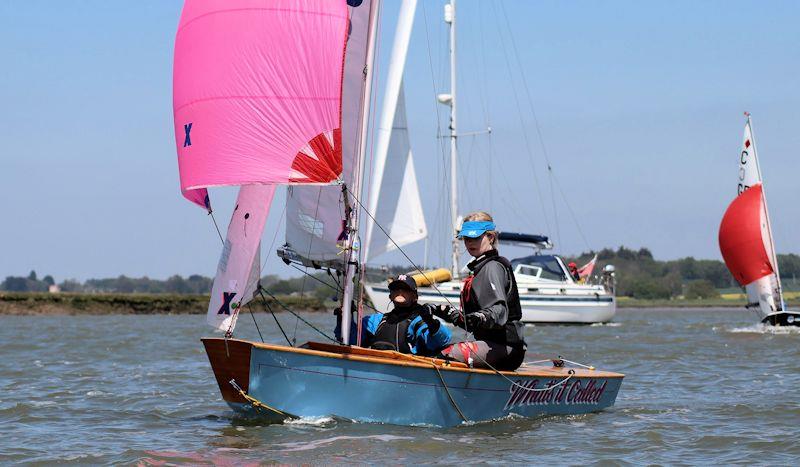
x=528 y=270
x=546 y=266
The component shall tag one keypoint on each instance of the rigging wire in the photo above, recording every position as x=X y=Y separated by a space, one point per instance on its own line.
x=441 y=228
x=213 y=219
x=250 y=309
x=522 y=121
x=550 y=170
x=285 y=307
x=269 y=308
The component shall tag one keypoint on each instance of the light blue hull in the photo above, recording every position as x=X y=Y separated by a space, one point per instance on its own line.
x=313 y=384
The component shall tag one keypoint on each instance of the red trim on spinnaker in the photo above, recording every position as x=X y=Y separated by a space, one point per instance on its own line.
x=740 y=238
x=327 y=166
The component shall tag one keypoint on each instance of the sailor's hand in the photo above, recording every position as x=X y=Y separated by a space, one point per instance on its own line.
x=476 y=320
x=432 y=323
x=443 y=311
x=425 y=314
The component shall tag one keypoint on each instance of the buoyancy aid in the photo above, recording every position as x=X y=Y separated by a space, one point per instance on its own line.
x=511 y=333
x=392 y=332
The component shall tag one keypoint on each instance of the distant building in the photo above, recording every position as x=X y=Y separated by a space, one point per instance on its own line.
x=54 y=289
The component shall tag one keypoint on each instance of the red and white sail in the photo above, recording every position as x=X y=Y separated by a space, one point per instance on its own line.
x=745 y=236
x=257 y=101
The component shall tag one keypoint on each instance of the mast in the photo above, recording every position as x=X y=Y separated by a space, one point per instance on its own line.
x=351 y=249
x=450 y=99
x=774 y=253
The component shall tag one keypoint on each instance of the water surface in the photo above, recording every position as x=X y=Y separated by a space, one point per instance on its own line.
x=701 y=386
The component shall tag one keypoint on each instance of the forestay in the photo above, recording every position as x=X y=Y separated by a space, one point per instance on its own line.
x=394 y=198
x=257 y=96
x=315 y=215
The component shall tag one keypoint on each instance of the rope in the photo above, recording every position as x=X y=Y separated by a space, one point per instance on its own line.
x=258 y=404
x=274 y=298
x=449 y=396
x=269 y=308
x=210 y=213
x=250 y=309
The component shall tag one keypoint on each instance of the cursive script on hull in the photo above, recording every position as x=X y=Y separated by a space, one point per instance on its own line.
x=572 y=392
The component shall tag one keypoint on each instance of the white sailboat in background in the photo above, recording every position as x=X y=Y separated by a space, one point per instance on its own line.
x=747 y=244
x=548 y=292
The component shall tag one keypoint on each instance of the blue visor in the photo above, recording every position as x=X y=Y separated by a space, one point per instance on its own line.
x=474 y=229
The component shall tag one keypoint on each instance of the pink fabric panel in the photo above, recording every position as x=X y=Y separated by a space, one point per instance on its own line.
x=257 y=92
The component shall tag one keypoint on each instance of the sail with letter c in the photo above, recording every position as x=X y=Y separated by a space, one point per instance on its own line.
x=745 y=237
x=257 y=97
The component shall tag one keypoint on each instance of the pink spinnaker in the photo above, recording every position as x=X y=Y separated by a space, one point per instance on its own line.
x=257 y=89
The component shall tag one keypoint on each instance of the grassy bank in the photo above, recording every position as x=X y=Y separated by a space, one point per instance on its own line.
x=725 y=301
x=35 y=303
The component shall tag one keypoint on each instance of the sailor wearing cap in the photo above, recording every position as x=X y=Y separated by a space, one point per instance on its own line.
x=491 y=310
x=409 y=328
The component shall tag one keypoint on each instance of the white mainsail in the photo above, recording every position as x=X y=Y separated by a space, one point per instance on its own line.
x=394 y=198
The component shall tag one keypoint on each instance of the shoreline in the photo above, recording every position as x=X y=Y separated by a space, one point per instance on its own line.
x=43 y=303
x=64 y=303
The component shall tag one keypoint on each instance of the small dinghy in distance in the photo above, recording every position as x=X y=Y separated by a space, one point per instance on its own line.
x=270 y=93
x=746 y=242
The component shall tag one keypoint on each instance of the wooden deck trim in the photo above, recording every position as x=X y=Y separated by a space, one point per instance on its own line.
x=398 y=359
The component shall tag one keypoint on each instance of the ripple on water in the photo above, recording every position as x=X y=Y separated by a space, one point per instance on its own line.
x=694 y=393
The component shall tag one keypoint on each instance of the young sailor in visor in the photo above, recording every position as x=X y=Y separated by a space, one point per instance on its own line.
x=489 y=301
x=408 y=328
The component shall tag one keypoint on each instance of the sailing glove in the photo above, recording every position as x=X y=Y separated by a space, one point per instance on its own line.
x=432 y=323
x=476 y=320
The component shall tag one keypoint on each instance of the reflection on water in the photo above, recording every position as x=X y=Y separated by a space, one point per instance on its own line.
x=702 y=386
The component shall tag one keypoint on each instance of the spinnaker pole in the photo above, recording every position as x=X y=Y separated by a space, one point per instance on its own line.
x=351 y=248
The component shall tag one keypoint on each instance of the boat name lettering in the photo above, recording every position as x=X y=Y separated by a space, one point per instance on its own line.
x=573 y=392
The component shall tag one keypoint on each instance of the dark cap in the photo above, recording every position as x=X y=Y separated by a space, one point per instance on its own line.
x=403 y=280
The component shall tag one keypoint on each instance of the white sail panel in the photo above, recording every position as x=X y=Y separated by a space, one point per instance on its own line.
x=399 y=207
x=315 y=215
x=394 y=194
x=239 y=266
x=749 y=172
x=762 y=292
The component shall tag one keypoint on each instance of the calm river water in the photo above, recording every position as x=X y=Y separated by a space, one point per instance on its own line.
x=702 y=386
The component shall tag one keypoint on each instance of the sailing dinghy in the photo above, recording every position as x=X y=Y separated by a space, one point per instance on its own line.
x=746 y=242
x=270 y=93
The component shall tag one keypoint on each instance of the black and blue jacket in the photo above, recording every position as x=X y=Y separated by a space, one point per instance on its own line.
x=402 y=330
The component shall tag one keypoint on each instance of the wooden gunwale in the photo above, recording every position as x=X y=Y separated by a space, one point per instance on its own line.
x=398 y=359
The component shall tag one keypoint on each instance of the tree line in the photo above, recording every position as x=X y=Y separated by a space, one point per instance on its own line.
x=639 y=275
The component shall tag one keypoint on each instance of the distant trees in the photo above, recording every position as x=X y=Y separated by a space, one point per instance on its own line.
x=639 y=275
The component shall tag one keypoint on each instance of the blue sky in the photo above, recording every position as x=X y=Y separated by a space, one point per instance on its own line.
x=639 y=103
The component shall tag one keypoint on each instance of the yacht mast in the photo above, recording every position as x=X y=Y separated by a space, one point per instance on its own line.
x=450 y=99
